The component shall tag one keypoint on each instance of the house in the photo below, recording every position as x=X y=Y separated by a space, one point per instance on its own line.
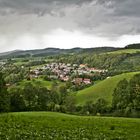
x=65 y=78
x=94 y=70
x=86 y=81
x=68 y=65
x=83 y=65
x=75 y=65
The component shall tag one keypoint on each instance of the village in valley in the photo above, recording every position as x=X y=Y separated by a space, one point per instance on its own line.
x=77 y=74
x=81 y=75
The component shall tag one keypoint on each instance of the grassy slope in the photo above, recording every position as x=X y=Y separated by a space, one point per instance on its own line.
x=103 y=89
x=57 y=126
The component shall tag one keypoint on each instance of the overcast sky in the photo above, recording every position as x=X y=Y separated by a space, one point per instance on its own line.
x=32 y=24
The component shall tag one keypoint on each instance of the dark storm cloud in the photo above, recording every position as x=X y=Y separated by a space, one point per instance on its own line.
x=99 y=17
x=128 y=8
x=35 y=6
x=111 y=17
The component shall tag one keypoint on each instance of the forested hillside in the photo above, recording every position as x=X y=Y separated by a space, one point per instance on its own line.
x=133 y=46
x=125 y=61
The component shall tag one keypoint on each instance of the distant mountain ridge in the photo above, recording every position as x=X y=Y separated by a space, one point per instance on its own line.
x=9 y=52
x=52 y=51
x=57 y=51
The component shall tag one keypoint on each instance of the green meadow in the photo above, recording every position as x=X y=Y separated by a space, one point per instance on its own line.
x=58 y=126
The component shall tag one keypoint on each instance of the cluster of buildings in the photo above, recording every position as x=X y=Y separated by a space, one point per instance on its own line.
x=64 y=72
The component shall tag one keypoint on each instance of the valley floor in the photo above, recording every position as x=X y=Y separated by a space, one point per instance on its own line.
x=58 y=126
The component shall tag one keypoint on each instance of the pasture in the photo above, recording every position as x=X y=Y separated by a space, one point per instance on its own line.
x=103 y=89
x=58 y=126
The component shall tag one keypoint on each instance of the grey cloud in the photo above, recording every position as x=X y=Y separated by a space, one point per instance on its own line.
x=110 y=17
x=128 y=8
x=35 y=6
x=99 y=17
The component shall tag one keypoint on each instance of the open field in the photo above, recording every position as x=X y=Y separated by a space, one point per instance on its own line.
x=57 y=126
x=103 y=89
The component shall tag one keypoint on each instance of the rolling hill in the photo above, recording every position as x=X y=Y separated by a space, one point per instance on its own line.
x=103 y=89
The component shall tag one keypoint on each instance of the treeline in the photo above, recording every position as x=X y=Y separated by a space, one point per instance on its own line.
x=125 y=101
x=34 y=98
x=126 y=97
